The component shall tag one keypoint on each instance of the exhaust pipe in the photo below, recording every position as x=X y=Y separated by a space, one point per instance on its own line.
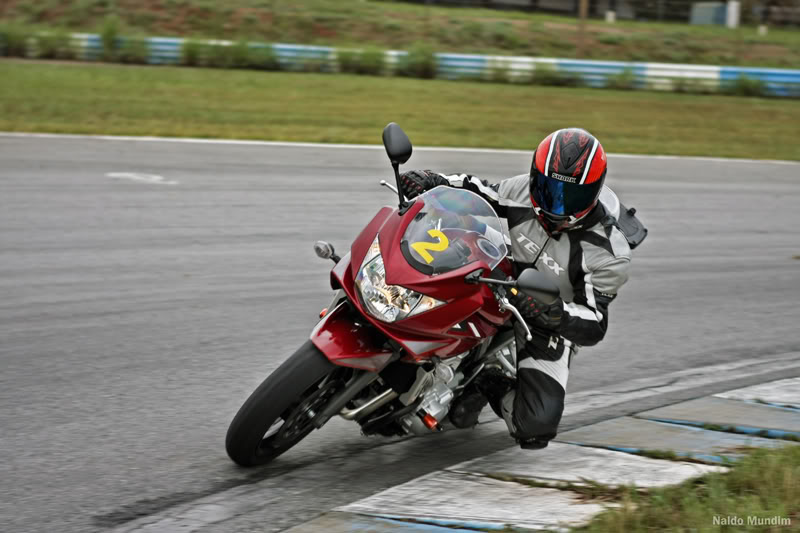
x=369 y=407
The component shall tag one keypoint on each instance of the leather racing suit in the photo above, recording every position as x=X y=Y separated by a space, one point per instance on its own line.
x=589 y=264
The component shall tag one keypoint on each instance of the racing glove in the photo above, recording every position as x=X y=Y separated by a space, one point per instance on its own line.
x=539 y=315
x=415 y=182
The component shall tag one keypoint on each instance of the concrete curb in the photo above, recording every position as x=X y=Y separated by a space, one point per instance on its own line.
x=540 y=490
x=584 y=409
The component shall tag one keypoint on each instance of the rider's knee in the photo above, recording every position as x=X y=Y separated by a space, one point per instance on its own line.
x=541 y=423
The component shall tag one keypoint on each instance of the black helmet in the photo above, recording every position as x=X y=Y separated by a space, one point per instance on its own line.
x=567 y=175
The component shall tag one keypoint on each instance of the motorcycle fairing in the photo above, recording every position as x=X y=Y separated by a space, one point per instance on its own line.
x=444 y=331
x=364 y=240
x=345 y=339
x=444 y=340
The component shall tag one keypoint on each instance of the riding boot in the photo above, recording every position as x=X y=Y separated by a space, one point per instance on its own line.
x=495 y=384
x=488 y=387
x=535 y=443
x=467 y=407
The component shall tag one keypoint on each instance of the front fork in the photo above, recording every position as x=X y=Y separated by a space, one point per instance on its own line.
x=358 y=383
x=344 y=339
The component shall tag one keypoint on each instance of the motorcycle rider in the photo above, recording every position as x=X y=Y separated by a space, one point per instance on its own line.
x=560 y=222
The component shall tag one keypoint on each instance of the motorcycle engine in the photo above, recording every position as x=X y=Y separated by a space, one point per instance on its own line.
x=436 y=389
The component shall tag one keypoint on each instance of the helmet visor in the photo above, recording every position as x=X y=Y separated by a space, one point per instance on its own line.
x=561 y=197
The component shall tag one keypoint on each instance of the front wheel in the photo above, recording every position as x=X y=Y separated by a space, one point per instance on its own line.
x=278 y=414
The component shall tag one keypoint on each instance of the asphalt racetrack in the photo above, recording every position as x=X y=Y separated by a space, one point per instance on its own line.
x=138 y=312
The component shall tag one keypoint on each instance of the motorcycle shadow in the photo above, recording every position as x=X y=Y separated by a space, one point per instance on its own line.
x=337 y=449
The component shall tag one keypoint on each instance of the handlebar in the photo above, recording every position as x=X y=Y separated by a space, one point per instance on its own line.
x=505 y=304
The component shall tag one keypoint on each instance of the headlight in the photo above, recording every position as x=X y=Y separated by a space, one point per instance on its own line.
x=388 y=303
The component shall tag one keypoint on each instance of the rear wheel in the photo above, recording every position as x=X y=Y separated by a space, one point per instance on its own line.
x=278 y=414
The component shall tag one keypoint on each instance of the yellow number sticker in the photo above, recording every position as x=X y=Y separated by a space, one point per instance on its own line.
x=422 y=247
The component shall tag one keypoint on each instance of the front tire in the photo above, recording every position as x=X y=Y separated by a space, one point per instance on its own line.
x=278 y=414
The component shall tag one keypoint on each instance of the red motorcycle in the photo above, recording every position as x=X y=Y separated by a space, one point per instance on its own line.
x=420 y=309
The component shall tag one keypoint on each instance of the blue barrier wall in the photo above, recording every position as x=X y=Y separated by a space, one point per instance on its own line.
x=779 y=81
x=659 y=76
x=597 y=73
x=165 y=50
x=454 y=66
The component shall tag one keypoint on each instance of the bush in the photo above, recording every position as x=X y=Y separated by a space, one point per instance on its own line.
x=611 y=38
x=499 y=73
x=368 y=61
x=219 y=55
x=503 y=35
x=206 y=54
x=108 y=35
x=691 y=86
x=263 y=57
x=134 y=50
x=473 y=31
x=13 y=40
x=54 y=45
x=746 y=86
x=545 y=74
x=420 y=62
x=373 y=61
x=623 y=80
x=313 y=65
x=240 y=55
x=348 y=60
x=192 y=53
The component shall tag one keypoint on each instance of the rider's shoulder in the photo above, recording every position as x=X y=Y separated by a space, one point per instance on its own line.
x=516 y=189
x=604 y=243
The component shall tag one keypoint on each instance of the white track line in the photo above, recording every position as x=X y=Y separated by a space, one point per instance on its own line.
x=237 y=142
x=154 y=179
x=785 y=392
x=637 y=389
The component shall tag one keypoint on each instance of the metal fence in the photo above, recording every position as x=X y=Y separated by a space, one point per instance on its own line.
x=656 y=76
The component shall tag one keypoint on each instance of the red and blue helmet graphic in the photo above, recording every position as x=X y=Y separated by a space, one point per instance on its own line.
x=567 y=175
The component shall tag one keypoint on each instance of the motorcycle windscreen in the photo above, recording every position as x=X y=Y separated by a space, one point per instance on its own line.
x=454 y=228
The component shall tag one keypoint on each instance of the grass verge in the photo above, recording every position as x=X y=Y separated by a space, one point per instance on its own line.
x=173 y=101
x=762 y=487
x=400 y=25
x=586 y=490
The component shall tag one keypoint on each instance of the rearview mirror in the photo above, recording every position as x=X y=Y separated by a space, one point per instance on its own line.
x=397 y=145
x=324 y=250
x=537 y=285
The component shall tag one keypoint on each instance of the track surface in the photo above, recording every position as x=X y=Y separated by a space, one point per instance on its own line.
x=135 y=318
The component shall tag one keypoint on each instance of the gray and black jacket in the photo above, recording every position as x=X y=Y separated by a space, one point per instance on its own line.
x=589 y=263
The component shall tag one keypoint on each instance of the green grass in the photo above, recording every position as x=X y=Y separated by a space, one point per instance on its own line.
x=179 y=101
x=764 y=484
x=399 y=25
x=586 y=489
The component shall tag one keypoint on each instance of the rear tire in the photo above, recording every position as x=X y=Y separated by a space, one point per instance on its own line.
x=278 y=414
